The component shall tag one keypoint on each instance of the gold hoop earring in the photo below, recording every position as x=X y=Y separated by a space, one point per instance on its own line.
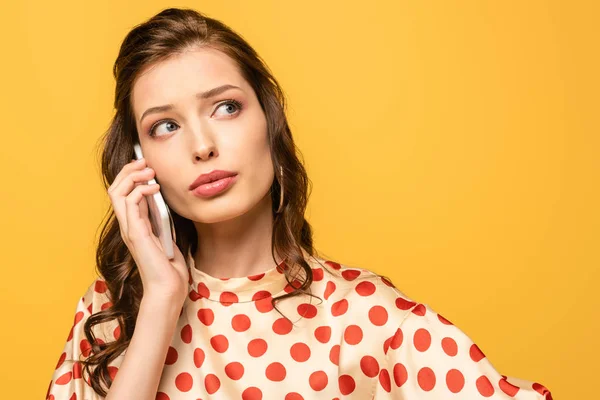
x=281 y=191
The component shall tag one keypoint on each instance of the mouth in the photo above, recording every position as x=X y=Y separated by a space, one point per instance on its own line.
x=212 y=176
x=208 y=185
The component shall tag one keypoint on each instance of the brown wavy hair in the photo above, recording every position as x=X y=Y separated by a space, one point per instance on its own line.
x=167 y=33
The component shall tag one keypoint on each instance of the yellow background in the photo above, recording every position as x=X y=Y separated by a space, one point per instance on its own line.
x=453 y=146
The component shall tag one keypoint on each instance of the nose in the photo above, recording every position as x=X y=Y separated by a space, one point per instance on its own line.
x=203 y=143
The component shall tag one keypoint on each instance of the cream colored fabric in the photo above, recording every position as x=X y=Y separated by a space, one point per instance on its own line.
x=364 y=339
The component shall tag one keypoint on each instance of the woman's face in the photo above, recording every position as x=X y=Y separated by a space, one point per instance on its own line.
x=198 y=135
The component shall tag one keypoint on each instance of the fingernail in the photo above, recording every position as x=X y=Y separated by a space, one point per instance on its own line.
x=141 y=160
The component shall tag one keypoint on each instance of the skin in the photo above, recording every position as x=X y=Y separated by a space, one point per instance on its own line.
x=200 y=135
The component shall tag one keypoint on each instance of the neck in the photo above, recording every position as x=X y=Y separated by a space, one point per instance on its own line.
x=237 y=247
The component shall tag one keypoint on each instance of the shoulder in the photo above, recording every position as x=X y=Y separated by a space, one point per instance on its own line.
x=96 y=297
x=361 y=292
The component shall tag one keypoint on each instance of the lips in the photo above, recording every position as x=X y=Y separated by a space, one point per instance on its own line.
x=211 y=177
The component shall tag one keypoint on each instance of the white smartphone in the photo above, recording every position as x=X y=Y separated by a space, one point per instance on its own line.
x=159 y=214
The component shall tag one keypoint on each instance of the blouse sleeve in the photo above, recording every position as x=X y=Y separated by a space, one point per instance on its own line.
x=67 y=382
x=428 y=357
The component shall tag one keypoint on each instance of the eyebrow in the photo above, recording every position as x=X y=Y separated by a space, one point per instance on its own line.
x=202 y=95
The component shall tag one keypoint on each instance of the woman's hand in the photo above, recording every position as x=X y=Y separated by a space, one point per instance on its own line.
x=161 y=277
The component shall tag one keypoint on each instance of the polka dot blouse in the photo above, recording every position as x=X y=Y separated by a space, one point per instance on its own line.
x=363 y=339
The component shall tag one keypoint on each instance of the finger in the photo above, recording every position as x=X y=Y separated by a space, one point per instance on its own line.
x=118 y=194
x=127 y=183
x=128 y=168
x=144 y=212
x=137 y=228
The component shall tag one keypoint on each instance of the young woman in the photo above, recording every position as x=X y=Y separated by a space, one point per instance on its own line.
x=251 y=311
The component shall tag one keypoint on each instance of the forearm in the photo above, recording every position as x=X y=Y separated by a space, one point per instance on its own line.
x=139 y=374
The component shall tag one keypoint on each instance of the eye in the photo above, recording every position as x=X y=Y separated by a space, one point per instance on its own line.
x=157 y=124
x=237 y=106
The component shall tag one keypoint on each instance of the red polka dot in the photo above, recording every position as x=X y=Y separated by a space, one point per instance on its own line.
x=300 y=352
x=293 y=396
x=397 y=339
x=386 y=344
x=444 y=320
x=339 y=308
x=228 y=298
x=426 y=379
x=234 y=370
x=378 y=315
x=282 y=267
x=323 y=334
x=212 y=383
x=100 y=286
x=193 y=295
x=61 y=360
x=282 y=326
x=334 y=354
x=203 y=290
x=350 y=274
x=346 y=384
x=261 y=294
x=384 y=380
x=252 y=393
x=240 y=323
x=422 y=339
x=71 y=333
x=257 y=347
x=404 y=304
x=263 y=304
x=76 y=370
x=171 y=356
x=186 y=334
x=106 y=305
x=317 y=274
x=369 y=366
x=78 y=317
x=329 y=289
x=387 y=281
x=307 y=310
x=449 y=346
x=333 y=264
x=206 y=316
x=419 y=310
x=295 y=284
x=219 y=343
x=64 y=378
x=162 y=396
x=86 y=347
x=508 y=387
x=365 y=288
x=184 y=382
x=256 y=277
x=484 y=386
x=353 y=334
x=476 y=353
x=400 y=374
x=199 y=357
x=541 y=389
x=455 y=380
x=275 y=372
x=318 y=380
x=112 y=372
x=117 y=332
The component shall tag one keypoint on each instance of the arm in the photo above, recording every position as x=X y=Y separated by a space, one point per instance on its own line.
x=136 y=373
x=428 y=357
x=140 y=372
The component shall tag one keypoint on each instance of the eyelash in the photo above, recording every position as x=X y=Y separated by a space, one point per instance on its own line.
x=236 y=103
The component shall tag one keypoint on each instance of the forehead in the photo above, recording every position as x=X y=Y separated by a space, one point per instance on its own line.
x=182 y=76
